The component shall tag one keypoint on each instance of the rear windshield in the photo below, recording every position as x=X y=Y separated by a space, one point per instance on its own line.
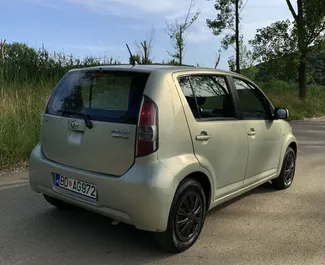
x=112 y=96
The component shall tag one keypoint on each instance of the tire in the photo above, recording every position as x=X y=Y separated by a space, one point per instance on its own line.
x=189 y=204
x=286 y=177
x=57 y=203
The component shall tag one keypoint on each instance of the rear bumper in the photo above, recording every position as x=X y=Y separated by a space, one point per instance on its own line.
x=142 y=197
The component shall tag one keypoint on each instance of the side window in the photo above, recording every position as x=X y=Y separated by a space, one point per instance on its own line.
x=252 y=103
x=185 y=85
x=212 y=96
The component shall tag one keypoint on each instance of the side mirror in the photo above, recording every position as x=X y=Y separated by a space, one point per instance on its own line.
x=281 y=114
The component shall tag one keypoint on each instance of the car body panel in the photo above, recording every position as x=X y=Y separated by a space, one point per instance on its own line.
x=132 y=198
x=263 y=149
x=96 y=150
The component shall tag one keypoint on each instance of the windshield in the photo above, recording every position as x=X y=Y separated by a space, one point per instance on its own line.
x=112 y=96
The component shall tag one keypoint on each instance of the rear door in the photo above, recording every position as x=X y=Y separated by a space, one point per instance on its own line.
x=262 y=131
x=219 y=138
x=110 y=101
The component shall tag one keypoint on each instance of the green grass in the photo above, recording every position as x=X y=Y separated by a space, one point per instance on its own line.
x=20 y=117
x=285 y=95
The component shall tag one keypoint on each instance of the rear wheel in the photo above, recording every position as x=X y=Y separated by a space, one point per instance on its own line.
x=57 y=203
x=186 y=219
x=287 y=174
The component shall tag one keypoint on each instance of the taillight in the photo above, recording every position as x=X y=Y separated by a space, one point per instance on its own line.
x=147 y=137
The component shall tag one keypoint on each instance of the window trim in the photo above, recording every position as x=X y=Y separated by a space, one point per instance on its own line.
x=230 y=91
x=257 y=91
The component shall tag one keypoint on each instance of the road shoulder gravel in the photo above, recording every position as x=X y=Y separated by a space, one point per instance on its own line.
x=19 y=176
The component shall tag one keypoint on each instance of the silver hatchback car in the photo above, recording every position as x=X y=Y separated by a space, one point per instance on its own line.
x=157 y=147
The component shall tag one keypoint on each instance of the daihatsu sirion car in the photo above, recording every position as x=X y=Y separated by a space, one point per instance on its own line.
x=156 y=147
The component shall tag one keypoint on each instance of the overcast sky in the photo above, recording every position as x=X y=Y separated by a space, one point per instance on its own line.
x=102 y=27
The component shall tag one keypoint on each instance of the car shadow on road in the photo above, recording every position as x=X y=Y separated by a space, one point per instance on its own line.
x=83 y=235
x=265 y=188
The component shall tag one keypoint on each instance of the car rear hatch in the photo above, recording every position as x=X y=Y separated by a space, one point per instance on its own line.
x=90 y=122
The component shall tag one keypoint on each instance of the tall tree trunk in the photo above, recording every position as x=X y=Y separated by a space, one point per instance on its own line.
x=181 y=41
x=302 y=51
x=180 y=56
x=237 y=38
x=303 y=75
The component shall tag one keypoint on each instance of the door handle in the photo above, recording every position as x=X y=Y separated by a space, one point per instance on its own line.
x=252 y=132
x=202 y=137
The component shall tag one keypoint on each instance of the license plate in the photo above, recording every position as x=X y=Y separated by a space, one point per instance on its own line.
x=77 y=186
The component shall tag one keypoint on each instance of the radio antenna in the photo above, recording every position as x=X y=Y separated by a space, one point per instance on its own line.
x=132 y=57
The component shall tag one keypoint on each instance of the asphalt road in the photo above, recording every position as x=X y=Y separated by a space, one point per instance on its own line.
x=262 y=227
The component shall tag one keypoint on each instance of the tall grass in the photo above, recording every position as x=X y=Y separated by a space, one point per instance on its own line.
x=20 y=113
x=286 y=95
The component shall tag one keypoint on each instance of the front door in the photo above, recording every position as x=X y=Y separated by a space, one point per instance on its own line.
x=263 y=133
x=219 y=138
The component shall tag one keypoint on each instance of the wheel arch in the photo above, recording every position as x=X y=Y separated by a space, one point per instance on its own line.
x=205 y=182
x=290 y=142
x=294 y=147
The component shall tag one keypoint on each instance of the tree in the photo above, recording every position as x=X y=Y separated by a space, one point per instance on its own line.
x=177 y=33
x=228 y=19
x=285 y=45
x=246 y=62
x=276 y=47
x=309 y=26
x=144 y=49
x=137 y=59
x=245 y=57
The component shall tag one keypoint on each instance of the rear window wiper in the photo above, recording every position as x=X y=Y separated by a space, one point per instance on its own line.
x=86 y=116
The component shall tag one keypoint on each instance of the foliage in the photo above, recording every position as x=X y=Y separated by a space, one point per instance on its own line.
x=311 y=18
x=246 y=57
x=170 y=62
x=177 y=33
x=20 y=119
x=227 y=21
x=144 y=49
x=20 y=63
x=276 y=46
x=137 y=59
x=285 y=46
x=283 y=94
x=274 y=41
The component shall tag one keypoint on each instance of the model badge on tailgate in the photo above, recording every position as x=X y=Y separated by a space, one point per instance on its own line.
x=120 y=133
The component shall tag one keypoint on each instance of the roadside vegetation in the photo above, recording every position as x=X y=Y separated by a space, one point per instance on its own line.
x=287 y=60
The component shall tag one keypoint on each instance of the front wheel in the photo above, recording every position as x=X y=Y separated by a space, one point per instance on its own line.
x=186 y=219
x=285 y=179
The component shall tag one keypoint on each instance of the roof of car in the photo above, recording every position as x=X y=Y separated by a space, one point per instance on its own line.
x=153 y=67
